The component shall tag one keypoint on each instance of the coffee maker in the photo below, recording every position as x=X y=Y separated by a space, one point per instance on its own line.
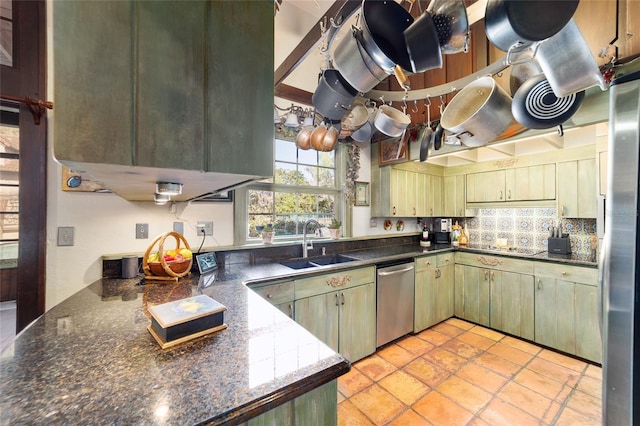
x=442 y=232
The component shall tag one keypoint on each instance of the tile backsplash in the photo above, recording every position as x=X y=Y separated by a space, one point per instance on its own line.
x=528 y=228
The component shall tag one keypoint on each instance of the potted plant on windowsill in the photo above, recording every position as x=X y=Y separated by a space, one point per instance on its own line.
x=267 y=234
x=334 y=229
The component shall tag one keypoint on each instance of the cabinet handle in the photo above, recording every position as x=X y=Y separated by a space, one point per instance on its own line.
x=500 y=195
x=431 y=211
x=337 y=300
x=493 y=274
x=414 y=211
x=290 y=310
x=342 y=297
x=564 y=274
x=486 y=274
x=509 y=195
x=539 y=284
x=562 y=210
x=394 y=210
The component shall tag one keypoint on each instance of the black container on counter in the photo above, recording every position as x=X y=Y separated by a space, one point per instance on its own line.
x=559 y=245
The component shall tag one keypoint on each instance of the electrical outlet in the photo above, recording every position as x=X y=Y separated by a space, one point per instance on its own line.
x=65 y=235
x=373 y=223
x=142 y=231
x=208 y=227
x=178 y=227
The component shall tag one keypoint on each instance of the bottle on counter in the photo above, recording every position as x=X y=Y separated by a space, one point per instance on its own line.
x=456 y=231
x=463 y=240
x=424 y=238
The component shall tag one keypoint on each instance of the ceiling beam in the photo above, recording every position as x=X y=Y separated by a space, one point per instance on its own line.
x=293 y=94
x=340 y=10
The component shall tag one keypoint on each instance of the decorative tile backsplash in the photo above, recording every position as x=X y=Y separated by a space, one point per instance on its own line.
x=528 y=228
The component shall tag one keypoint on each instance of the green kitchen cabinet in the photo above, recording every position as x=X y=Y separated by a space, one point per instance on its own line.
x=531 y=183
x=486 y=187
x=340 y=309
x=566 y=309
x=472 y=294
x=404 y=193
x=156 y=91
x=279 y=294
x=319 y=406
x=577 y=189
x=433 y=290
x=454 y=196
x=512 y=303
x=428 y=195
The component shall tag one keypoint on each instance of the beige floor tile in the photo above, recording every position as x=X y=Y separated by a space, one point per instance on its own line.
x=551 y=413
x=426 y=372
x=404 y=386
x=409 y=418
x=554 y=371
x=510 y=353
x=447 y=329
x=499 y=365
x=594 y=371
x=476 y=340
x=527 y=347
x=341 y=397
x=482 y=377
x=377 y=404
x=491 y=334
x=477 y=421
x=445 y=359
x=349 y=415
x=461 y=348
x=415 y=345
x=396 y=355
x=440 y=410
x=525 y=399
x=433 y=337
x=375 y=367
x=464 y=393
x=586 y=404
x=564 y=394
x=537 y=382
x=571 y=417
x=353 y=382
x=500 y=413
x=457 y=322
x=591 y=386
x=563 y=360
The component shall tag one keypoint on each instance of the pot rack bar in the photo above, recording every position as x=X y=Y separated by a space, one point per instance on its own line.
x=37 y=106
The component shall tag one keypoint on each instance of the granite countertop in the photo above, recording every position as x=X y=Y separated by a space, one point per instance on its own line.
x=91 y=360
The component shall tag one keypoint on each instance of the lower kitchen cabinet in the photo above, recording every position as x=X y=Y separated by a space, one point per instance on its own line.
x=566 y=310
x=471 y=295
x=512 y=303
x=433 y=290
x=279 y=294
x=320 y=406
x=340 y=310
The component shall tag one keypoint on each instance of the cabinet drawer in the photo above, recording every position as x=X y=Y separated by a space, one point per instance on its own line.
x=495 y=262
x=574 y=274
x=425 y=262
x=276 y=293
x=325 y=283
x=444 y=259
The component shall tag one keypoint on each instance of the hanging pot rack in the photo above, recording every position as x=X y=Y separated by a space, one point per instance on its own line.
x=37 y=106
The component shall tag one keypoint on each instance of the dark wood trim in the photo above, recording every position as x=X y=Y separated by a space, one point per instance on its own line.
x=293 y=94
x=340 y=9
x=28 y=78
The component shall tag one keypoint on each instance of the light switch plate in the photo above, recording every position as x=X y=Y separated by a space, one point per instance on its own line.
x=65 y=235
x=142 y=231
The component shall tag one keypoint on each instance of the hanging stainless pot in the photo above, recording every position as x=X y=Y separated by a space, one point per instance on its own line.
x=391 y=121
x=522 y=72
x=364 y=133
x=536 y=106
x=333 y=96
x=509 y=22
x=421 y=39
x=452 y=25
x=355 y=117
x=479 y=113
x=568 y=63
x=383 y=25
x=355 y=64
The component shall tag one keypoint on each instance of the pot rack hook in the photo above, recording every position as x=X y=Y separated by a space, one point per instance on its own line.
x=441 y=104
x=404 y=104
x=415 y=106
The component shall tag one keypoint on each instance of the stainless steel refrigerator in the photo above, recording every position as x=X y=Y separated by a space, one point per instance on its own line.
x=620 y=258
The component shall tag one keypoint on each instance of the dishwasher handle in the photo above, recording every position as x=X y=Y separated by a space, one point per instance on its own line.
x=398 y=271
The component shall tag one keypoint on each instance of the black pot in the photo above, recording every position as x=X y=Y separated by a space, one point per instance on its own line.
x=536 y=106
x=333 y=96
x=508 y=22
x=423 y=45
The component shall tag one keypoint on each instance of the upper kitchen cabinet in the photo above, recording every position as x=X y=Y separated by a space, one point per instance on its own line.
x=486 y=187
x=577 y=189
x=164 y=91
x=531 y=183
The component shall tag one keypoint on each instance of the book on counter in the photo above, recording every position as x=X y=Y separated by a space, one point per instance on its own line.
x=182 y=320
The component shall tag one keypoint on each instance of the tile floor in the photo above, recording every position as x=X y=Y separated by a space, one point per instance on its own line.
x=457 y=373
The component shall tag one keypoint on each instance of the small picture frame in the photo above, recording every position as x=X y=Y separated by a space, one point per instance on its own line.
x=362 y=194
x=394 y=150
x=224 y=197
x=206 y=262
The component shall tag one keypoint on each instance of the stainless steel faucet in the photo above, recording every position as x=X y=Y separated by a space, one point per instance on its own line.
x=306 y=247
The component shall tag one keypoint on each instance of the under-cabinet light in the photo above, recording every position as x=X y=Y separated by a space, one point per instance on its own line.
x=168 y=188
x=161 y=199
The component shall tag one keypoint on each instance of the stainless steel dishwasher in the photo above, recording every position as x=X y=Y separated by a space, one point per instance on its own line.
x=394 y=301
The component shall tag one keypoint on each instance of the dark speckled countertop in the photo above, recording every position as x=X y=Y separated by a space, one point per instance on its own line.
x=91 y=360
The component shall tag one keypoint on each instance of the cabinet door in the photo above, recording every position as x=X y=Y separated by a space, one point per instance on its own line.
x=398 y=197
x=437 y=199
x=486 y=186
x=588 y=338
x=512 y=303
x=287 y=308
x=453 y=196
x=93 y=81
x=531 y=183
x=318 y=407
x=577 y=189
x=357 y=333
x=425 y=295
x=239 y=55
x=320 y=315
x=471 y=298
x=444 y=292
x=555 y=314
x=422 y=194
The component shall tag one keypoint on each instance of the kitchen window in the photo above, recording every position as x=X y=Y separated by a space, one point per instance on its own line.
x=305 y=185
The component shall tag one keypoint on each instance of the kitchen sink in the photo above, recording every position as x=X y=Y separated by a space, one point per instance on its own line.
x=314 y=262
